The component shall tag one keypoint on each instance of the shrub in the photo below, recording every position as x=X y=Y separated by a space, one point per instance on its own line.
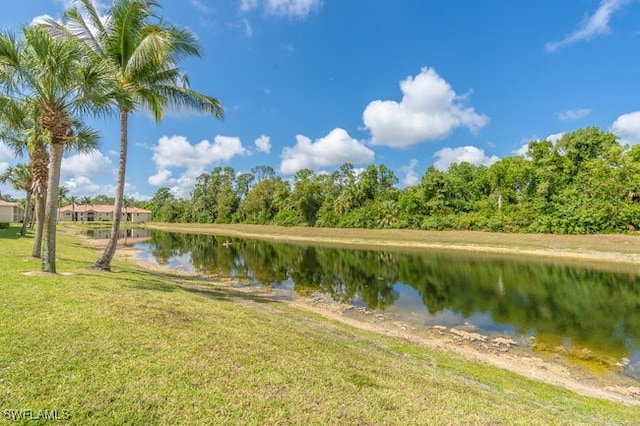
x=4 y=225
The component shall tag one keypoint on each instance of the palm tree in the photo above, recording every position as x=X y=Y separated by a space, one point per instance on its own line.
x=63 y=193
x=73 y=199
x=144 y=49
x=59 y=82
x=18 y=129
x=21 y=179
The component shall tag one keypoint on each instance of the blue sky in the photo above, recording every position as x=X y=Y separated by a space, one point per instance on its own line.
x=408 y=84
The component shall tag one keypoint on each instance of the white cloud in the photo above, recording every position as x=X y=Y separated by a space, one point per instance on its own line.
x=470 y=154
x=627 y=128
x=289 y=8
x=429 y=110
x=555 y=137
x=248 y=29
x=181 y=186
x=574 y=114
x=247 y=5
x=410 y=176
x=596 y=25
x=82 y=186
x=177 y=152
x=263 y=144
x=92 y=164
x=161 y=178
x=334 y=149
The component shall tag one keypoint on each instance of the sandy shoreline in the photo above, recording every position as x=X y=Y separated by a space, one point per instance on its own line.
x=504 y=353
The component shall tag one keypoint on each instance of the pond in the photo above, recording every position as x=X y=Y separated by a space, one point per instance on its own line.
x=581 y=310
x=125 y=236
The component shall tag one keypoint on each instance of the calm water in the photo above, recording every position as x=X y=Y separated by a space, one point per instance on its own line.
x=125 y=236
x=572 y=307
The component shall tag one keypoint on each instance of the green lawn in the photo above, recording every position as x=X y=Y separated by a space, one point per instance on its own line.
x=141 y=347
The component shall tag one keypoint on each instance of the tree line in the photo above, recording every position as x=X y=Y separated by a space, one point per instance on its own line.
x=586 y=182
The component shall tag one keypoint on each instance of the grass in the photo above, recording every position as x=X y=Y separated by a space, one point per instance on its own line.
x=144 y=347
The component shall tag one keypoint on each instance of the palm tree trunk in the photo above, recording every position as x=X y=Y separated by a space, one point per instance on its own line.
x=39 y=160
x=104 y=263
x=40 y=209
x=51 y=209
x=27 y=210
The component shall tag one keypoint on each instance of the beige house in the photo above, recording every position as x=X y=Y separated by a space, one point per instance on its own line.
x=10 y=212
x=98 y=212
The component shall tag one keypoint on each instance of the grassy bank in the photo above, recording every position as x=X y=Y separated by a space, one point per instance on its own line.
x=144 y=347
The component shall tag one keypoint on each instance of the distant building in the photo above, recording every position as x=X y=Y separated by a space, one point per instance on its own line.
x=10 y=212
x=98 y=212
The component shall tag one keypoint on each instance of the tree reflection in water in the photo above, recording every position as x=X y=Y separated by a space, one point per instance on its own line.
x=588 y=307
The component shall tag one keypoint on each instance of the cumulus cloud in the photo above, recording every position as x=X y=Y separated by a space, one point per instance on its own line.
x=627 y=128
x=429 y=110
x=91 y=164
x=263 y=144
x=410 y=176
x=596 y=25
x=470 y=154
x=555 y=137
x=83 y=186
x=574 y=114
x=522 y=151
x=334 y=149
x=289 y=8
x=176 y=152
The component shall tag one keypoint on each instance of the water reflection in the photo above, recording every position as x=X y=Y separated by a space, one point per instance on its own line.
x=125 y=236
x=567 y=305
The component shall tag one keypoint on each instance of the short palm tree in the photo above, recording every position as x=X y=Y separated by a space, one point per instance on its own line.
x=63 y=194
x=73 y=199
x=59 y=82
x=18 y=129
x=21 y=179
x=144 y=49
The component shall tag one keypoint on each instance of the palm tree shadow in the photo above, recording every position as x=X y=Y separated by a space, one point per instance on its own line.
x=196 y=284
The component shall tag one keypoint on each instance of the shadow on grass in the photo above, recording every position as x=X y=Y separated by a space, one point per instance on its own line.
x=12 y=233
x=168 y=282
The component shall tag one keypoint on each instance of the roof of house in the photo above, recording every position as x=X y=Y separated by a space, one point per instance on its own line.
x=100 y=208
x=7 y=204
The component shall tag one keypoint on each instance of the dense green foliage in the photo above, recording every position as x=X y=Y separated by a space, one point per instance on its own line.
x=585 y=183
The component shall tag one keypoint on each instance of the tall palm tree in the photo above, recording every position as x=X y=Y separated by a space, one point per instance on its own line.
x=21 y=179
x=144 y=49
x=60 y=82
